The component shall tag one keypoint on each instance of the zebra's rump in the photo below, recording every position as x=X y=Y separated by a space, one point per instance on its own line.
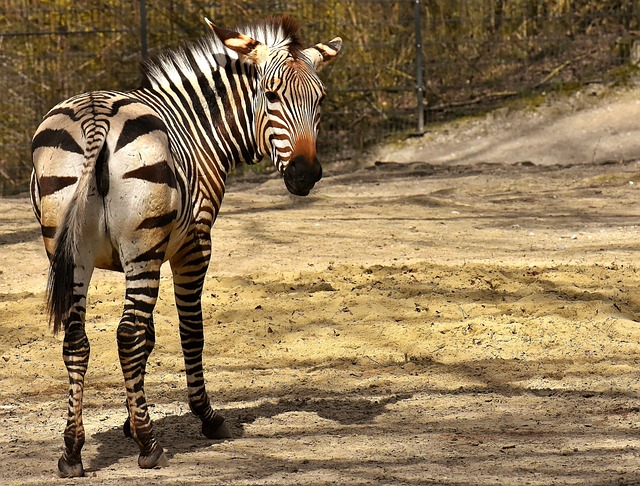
x=103 y=161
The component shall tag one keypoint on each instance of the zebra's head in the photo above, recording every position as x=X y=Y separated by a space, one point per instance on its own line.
x=288 y=97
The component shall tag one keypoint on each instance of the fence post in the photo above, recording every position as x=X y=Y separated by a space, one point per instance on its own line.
x=419 y=71
x=143 y=29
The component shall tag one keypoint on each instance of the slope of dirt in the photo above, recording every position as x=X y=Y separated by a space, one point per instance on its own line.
x=411 y=322
x=593 y=125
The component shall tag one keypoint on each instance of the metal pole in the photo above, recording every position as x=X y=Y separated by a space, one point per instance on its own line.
x=143 y=28
x=419 y=73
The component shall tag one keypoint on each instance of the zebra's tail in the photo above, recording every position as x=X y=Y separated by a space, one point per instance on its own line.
x=60 y=285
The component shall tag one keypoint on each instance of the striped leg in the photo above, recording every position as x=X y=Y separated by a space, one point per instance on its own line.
x=189 y=270
x=149 y=345
x=75 y=352
x=136 y=337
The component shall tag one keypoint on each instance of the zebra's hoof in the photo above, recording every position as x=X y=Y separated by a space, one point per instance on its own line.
x=216 y=429
x=68 y=470
x=156 y=459
x=126 y=429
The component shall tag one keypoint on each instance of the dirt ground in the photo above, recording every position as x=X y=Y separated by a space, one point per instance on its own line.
x=459 y=309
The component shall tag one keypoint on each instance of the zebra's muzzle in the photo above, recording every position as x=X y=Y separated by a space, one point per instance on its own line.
x=301 y=175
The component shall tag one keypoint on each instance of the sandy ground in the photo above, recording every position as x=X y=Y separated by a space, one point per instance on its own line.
x=462 y=312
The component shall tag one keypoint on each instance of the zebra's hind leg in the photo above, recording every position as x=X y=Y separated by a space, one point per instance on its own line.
x=75 y=352
x=149 y=345
x=135 y=342
x=189 y=269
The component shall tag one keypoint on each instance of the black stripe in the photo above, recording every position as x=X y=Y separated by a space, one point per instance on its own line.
x=137 y=127
x=48 y=231
x=194 y=273
x=146 y=291
x=159 y=173
x=158 y=221
x=248 y=153
x=115 y=107
x=63 y=111
x=56 y=138
x=202 y=260
x=152 y=275
x=189 y=286
x=190 y=308
x=52 y=184
x=222 y=93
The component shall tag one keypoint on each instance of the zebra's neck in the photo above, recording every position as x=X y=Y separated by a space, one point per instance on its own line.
x=206 y=98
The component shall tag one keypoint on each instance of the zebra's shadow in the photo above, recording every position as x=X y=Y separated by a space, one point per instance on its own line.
x=176 y=433
x=180 y=434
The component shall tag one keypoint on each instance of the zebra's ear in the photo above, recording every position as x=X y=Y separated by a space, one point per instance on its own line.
x=246 y=47
x=320 y=54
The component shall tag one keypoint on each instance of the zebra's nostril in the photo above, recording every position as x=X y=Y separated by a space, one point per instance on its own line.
x=297 y=168
x=293 y=168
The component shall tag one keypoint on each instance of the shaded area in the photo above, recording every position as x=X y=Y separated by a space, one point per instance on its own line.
x=181 y=434
x=595 y=428
x=11 y=238
x=429 y=325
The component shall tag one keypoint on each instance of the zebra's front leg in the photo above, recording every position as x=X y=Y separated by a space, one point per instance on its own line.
x=188 y=280
x=135 y=342
x=75 y=353
x=192 y=337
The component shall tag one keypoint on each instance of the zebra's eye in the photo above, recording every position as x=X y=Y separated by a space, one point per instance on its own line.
x=272 y=96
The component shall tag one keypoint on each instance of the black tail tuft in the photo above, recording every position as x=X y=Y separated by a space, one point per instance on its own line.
x=60 y=284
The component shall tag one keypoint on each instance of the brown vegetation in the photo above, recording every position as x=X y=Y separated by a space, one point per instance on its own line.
x=475 y=52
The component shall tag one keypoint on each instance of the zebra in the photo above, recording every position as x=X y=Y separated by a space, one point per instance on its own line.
x=126 y=181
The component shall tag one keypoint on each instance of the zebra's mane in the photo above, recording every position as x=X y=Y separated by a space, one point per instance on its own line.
x=184 y=61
